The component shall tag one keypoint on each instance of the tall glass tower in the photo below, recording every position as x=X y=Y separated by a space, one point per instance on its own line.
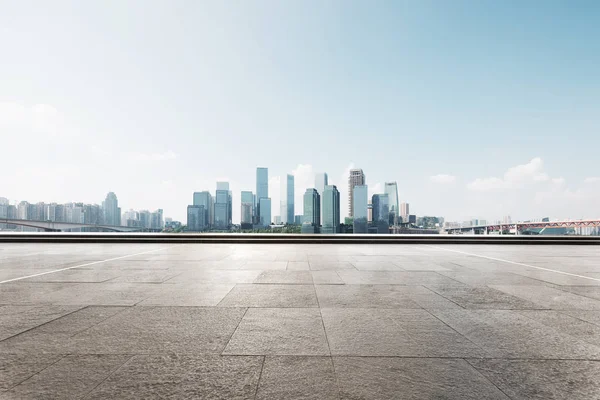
x=331 y=210
x=381 y=212
x=287 y=200
x=112 y=212
x=262 y=190
x=320 y=182
x=247 y=202
x=360 y=200
x=391 y=189
x=356 y=178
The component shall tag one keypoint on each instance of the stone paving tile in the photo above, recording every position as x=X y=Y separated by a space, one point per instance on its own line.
x=215 y=276
x=17 y=319
x=331 y=265
x=564 y=323
x=200 y=295
x=265 y=265
x=411 y=378
x=270 y=296
x=71 y=377
x=559 y=279
x=508 y=334
x=298 y=266
x=285 y=277
x=29 y=293
x=183 y=376
x=478 y=278
x=105 y=294
x=364 y=296
x=376 y=266
x=543 y=379
x=593 y=292
x=326 y=278
x=394 y=278
x=16 y=368
x=592 y=317
x=297 y=377
x=550 y=298
x=77 y=275
x=145 y=276
x=482 y=297
x=279 y=331
x=393 y=332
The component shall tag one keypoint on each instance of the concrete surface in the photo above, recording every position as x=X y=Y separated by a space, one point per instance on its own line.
x=309 y=321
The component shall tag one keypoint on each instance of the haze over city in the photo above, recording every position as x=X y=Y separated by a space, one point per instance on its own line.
x=475 y=109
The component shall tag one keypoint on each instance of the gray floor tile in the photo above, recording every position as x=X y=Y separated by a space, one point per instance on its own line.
x=375 y=266
x=393 y=332
x=279 y=331
x=326 y=278
x=543 y=379
x=331 y=265
x=364 y=296
x=189 y=295
x=410 y=378
x=394 y=278
x=183 y=376
x=270 y=296
x=17 y=319
x=298 y=266
x=16 y=368
x=550 y=298
x=297 y=377
x=482 y=297
x=285 y=277
x=71 y=377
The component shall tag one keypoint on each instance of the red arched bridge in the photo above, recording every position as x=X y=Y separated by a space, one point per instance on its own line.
x=521 y=226
x=52 y=226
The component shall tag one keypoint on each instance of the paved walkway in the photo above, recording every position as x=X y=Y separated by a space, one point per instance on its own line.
x=299 y=321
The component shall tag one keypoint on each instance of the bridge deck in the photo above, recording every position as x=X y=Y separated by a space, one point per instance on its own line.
x=299 y=320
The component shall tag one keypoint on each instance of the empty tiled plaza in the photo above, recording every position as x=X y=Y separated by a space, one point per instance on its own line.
x=299 y=321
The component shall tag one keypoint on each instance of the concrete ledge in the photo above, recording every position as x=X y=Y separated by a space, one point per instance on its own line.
x=49 y=237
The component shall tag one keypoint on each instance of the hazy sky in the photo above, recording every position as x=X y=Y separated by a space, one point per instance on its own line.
x=475 y=108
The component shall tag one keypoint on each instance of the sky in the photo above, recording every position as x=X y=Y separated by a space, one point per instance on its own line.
x=478 y=109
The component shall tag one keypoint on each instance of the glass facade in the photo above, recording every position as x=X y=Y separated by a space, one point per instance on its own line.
x=312 y=207
x=360 y=204
x=287 y=200
x=205 y=199
x=391 y=189
x=222 y=209
x=321 y=180
x=331 y=210
x=264 y=205
x=262 y=190
x=247 y=210
x=381 y=211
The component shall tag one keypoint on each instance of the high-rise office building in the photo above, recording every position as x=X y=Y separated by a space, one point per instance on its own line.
x=225 y=186
x=112 y=212
x=205 y=199
x=298 y=219
x=196 y=218
x=381 y=212
x=264 y=204
x=247 y=209
x=262 y=191
x=391 y=189
x=287 y=200
x=321 y=180
x=312 y=207
x=356 y=178
x=222 y=207
x=404 y=212
x=331 y=210
x=360 y=211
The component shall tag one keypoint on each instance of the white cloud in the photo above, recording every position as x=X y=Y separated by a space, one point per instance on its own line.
x=443 y=179
x=592 y=179
x=37 y=119
x=513 y=177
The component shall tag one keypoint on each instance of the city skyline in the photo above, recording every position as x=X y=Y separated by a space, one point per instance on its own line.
x=476 y=116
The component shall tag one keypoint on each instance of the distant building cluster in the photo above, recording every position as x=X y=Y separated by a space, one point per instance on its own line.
x=108 y=214
x=381 y=213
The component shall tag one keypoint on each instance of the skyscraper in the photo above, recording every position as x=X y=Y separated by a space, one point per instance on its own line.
x=204 y=199
x=331 y=210
x=196 y=218
x=321 y=180
x=404 y=212
x=391 y=189
x=381 y=211
x=222 y=207
x=312 y=207
x=112 y=212
x=225 y=186
x=264 y=205
x=262 y=190
x=287 y=200
x=247 y=202
x=356 y=177
x=360 y=203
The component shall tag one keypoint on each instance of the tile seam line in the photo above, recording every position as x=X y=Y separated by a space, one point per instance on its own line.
x=60 y=358
x=465 y=360
x=86 y=264
x=513 y=262
x=109 y=375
